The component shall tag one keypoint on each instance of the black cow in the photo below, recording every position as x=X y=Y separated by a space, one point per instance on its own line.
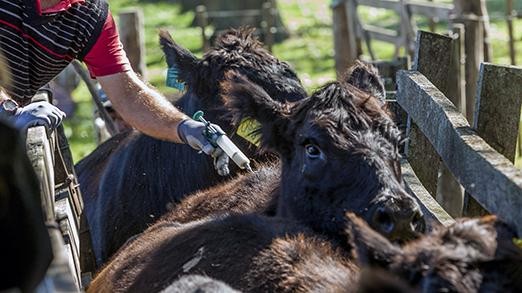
x=129 y=180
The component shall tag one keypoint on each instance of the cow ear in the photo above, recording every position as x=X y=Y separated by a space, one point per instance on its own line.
x=178 y=58
x=244 y=99
x=370 y=248
x=366 y=78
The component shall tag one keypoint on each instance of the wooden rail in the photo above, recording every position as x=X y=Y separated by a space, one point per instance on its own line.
x=487 y=175
x=445 y=154
x=62 y=204
x=403 y=36
x=63 y=274
x=433 y=212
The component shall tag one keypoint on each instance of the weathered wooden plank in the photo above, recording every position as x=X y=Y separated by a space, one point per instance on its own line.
x=440 y=11
x=469 y=10
x=59 y=277
x=268 y=24
x=450 y=194
x=433 y=212
x=433 y=59
x=497 y=108
x=345 y=52
x=132 y=35
x=202 y=23
x=497 y=124
x=510 y=15
x=40 y=155
x=484 y=173
x=457 y=87
x=381 y=34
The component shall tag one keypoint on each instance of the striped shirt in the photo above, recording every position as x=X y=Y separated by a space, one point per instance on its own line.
x=38 y=46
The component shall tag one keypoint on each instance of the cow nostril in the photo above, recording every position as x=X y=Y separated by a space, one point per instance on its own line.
x=384 y=221
x=418 y=224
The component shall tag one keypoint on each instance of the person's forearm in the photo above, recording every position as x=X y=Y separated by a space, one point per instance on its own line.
x=142 y=107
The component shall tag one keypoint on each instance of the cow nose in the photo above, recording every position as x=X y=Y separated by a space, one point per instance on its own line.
x=398 y=221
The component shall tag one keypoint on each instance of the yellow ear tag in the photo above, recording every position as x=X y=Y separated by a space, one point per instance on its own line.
x=518 y=242
x=247 y=130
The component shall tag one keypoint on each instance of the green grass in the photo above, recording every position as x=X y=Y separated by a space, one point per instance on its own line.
x=309 y=49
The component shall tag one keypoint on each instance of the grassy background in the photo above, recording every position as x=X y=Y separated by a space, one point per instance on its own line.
x=309 y=48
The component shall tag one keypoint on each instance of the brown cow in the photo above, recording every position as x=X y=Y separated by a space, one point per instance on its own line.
x=260 y=254
x=354 y=164
x=339 y=152
x=128 y=181
x=472 y=255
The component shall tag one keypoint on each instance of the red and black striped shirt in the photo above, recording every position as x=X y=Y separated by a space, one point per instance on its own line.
x=37 y=45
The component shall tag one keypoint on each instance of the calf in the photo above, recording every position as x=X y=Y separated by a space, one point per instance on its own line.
x=472 y=255
x=259 y=254
x=339 y=152
x=129 y=180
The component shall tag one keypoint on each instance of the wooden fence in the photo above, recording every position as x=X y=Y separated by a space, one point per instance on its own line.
x=62 y=206
x=264 y=18
x=466 y=20
x=353 y=30
x=480 y=156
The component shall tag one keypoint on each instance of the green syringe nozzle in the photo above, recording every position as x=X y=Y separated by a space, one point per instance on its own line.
x=198 y=116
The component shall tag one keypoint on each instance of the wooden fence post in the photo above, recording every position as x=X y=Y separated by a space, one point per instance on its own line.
x=132 y=36
x=202 y=22
x=497 y=114
x=408 y=30
x=450 y=194
x=268 y=24
x=457 y=86
x=468 y=12
x=344 y=35
x=510 y=14
x=421 y=155
x=487 y=175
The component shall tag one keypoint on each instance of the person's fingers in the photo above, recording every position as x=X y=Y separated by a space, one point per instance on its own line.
x=44 y=121
x=221 y=164
x=218 y=128
x=60 y=114
x=208 y=149
x=54 y=118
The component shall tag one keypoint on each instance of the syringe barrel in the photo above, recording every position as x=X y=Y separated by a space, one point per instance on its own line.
x=232 y=151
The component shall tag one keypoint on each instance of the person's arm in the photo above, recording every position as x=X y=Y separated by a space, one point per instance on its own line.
x=142 y=107
x=151 y=113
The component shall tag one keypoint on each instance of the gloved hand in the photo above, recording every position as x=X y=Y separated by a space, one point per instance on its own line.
x=35 y=114
x=191 y=132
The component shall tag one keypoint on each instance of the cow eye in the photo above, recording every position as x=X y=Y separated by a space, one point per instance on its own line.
x=312 y=151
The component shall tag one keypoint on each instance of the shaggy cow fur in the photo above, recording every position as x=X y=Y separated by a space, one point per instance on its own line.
x=472 y=255
x=324 y=174
x=128 y=181
x=356 y=167
x=256 y=254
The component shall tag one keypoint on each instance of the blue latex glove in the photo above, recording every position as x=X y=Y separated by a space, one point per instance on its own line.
x=191 y=132
x=36 y=114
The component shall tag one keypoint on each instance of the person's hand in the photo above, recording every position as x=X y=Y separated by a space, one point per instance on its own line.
x=191 y=132
x=38 y=114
